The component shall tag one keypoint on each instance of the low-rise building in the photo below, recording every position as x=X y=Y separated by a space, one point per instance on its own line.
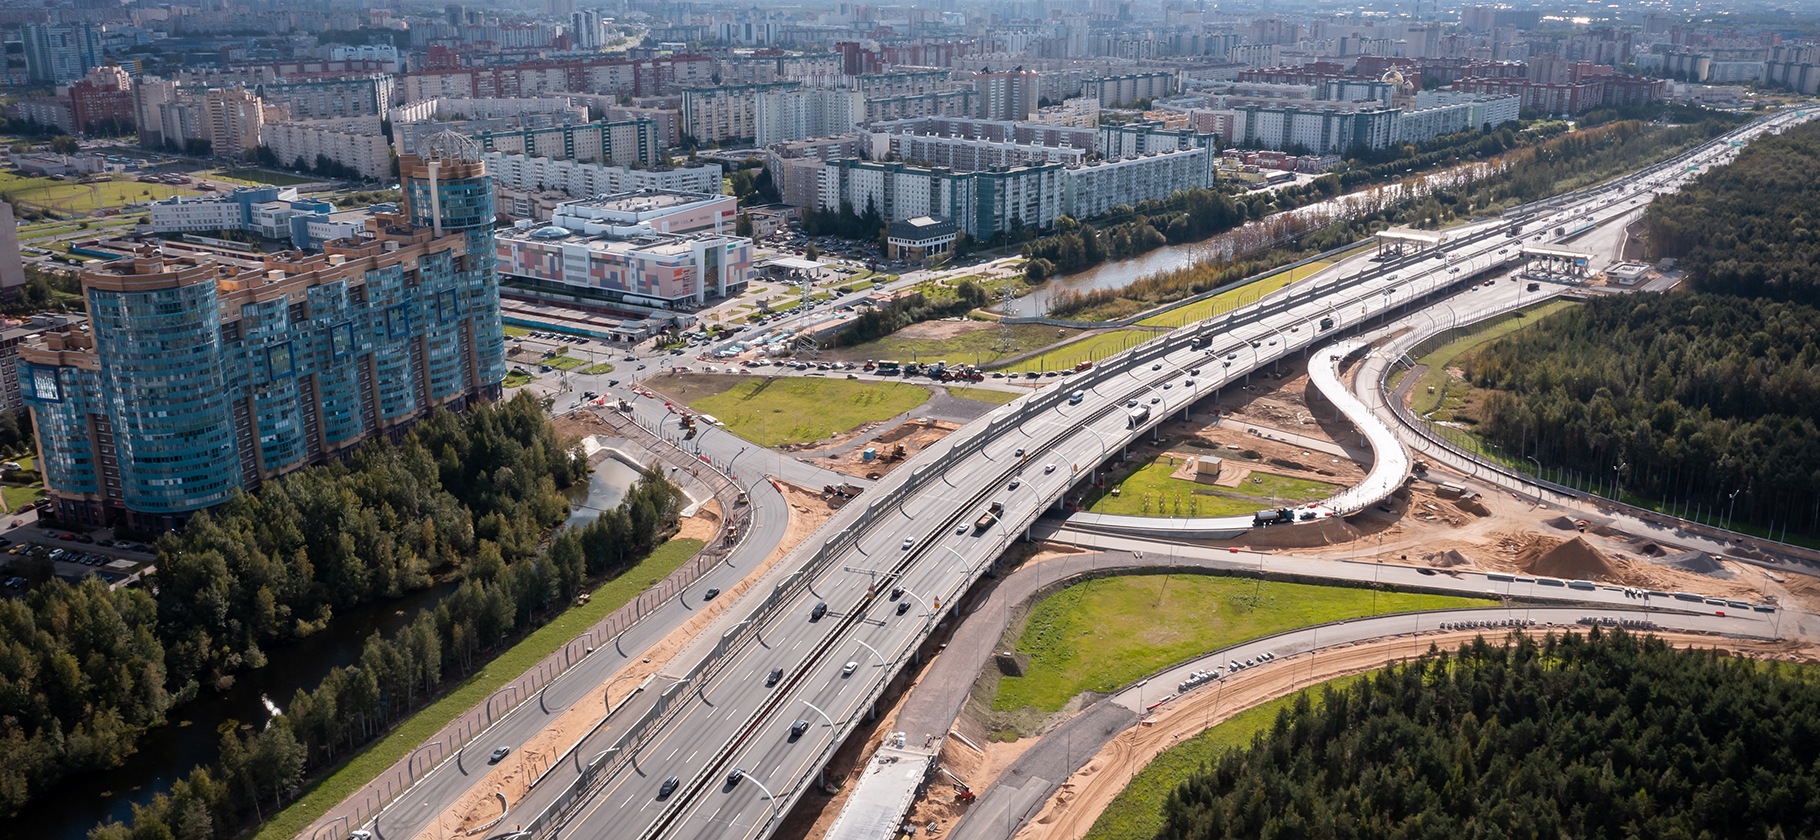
x=612 y=250
x=918 y=239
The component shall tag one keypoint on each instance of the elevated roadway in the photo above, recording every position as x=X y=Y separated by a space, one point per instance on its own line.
x=915 y=529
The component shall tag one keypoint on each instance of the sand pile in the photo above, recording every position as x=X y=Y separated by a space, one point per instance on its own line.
x=1562 y=523
x=1447 y=559
x=1650 y=549
x=1472 y=506
x=1746 y=553
x=1698 y=562
x=1573 y=559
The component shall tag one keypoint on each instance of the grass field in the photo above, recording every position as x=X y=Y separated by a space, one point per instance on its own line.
x=1150 y=491
x=516 y=378
x=1094 y=348
x=986 y=395
x=1226 y=301
x=503 y=669
x=595 y=370
x=1439 y=359
x=1137 y=812
x=260 y=176
x=17 y=497
x=1106 y=633
x=565 y=362
x=976 y=347
x=64 y=197
x=786 y=410
x=517 y=332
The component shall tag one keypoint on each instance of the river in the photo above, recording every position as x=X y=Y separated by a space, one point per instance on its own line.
x=1251 y=237
x=192 y=736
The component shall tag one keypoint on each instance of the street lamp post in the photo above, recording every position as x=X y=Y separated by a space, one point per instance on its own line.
x=1538 y=464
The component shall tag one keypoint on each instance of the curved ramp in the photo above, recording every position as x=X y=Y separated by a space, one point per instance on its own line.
x=1389 y=467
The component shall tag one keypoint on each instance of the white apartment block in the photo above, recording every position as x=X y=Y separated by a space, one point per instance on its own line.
x=1114 y=91
x=369 y=154
x=963 y=154
x=194 y=216
x=624 y=141
x=800 y=114
x=1324 y=128
x=980 y=203
x=453 y=108
x=1095 y=188
x=1440 y=113
x=582 y=180
x=726 y=113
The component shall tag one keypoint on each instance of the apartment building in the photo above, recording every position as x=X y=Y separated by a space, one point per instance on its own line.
x=1118 y=91
x=366 y=153
x=627 y=141
x=963 y=154
x=948 y=103
x=206 y=376
x=613 y=76
x=981 y=204
x=580 y=180
x=1093 y=189
x=1006 y=96
x=768 y=113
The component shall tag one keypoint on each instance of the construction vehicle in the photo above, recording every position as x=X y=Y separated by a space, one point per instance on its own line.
x=742 y=498
x=990 y=516
x=732 y=533
x=688 y=425
x=625 y=406
x=896 y=453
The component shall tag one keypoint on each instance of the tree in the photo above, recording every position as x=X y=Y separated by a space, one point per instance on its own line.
x=64 y=144
x=264 y=156
x=742 y=225
x=811 y=252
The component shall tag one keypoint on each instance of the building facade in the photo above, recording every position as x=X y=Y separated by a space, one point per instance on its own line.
x=583 y=180
x=661 y=250
x=60 y=52
x=368 y=154
x=629 y=141
x=203 y=378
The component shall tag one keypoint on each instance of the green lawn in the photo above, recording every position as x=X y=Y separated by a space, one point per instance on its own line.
x=1151 y=491
x=260 y=176
x=1439 y=359
x=596 y=370
x=786 y=410
x=564 y=362
x=517 y=332
x=1095 y=348
x=1226 y=301
x=503 y=669
x=987 y=395
x=1137 y=812
x=68 y=197
x=18 y=497
x=977 y=347
x=516 y=378
x=1106 y=633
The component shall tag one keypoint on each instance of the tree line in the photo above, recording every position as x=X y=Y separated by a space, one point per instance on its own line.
x=913 y=308
x=1607 y=735
x=261 y=770
x=1691 y=396
x=84 y=671
x=1743 y=229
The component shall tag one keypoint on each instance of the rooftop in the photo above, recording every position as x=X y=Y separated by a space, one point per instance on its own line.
x=643 y=201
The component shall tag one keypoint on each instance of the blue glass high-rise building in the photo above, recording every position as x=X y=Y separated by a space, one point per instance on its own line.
x=204 y=374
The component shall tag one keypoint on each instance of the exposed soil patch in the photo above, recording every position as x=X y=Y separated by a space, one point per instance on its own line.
x=938 y=330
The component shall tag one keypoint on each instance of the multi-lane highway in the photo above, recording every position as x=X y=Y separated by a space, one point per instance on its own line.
x=916 y=530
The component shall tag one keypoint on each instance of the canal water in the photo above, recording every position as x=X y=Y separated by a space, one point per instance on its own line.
x=1247 y=237
x=192 y=735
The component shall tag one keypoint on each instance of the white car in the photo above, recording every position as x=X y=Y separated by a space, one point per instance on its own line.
x=907 y=543
x=848 y=669
x=1048 y=468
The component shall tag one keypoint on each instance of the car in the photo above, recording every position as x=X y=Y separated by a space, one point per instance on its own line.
x=642 y=367
x=66 y=536
x=905 y=545
x=734 y=777
x=1048 y=468
x=1428 y=572
x=962 y=528
x=1155 y=400
x=498 y=755
x=1157 y=366
x=1168 y=385
x=18 y=522
x=1015 y=483
x=798 y=728
x=1194 y=372
x=1132 y=403
x=360 y=834
x=709 y=595
x=848 y=669
x=1188 y=381
x=668 y=787
x=103 y=543
x=1019 y=453
x=903 y=607
x=820 y=610
x=775 y=675
x=1232 y=355
x=897 y=592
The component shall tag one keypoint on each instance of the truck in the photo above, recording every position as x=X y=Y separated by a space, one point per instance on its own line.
x=1083 y=366
x=888 y=368
x=1272 y=516
x=1326 y=324
x=1137 y=417
x=990 y=516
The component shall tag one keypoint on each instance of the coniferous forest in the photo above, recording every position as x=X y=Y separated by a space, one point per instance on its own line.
x=1604 y=735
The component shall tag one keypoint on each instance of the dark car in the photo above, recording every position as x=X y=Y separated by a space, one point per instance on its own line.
x=709 y=595
x=798 y=728
x=668 y=787
x=776 y=674
x=897 y=592
x=820 y=610
x=903 y=607
x=734 y=777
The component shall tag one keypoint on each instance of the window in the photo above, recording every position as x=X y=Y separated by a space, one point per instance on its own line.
x=278 y=360
x=44 y=383
x=445 y=305
x=341 y=339
x=397 y=322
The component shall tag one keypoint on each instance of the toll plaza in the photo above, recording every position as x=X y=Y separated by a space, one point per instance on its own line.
x=1556 y=265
